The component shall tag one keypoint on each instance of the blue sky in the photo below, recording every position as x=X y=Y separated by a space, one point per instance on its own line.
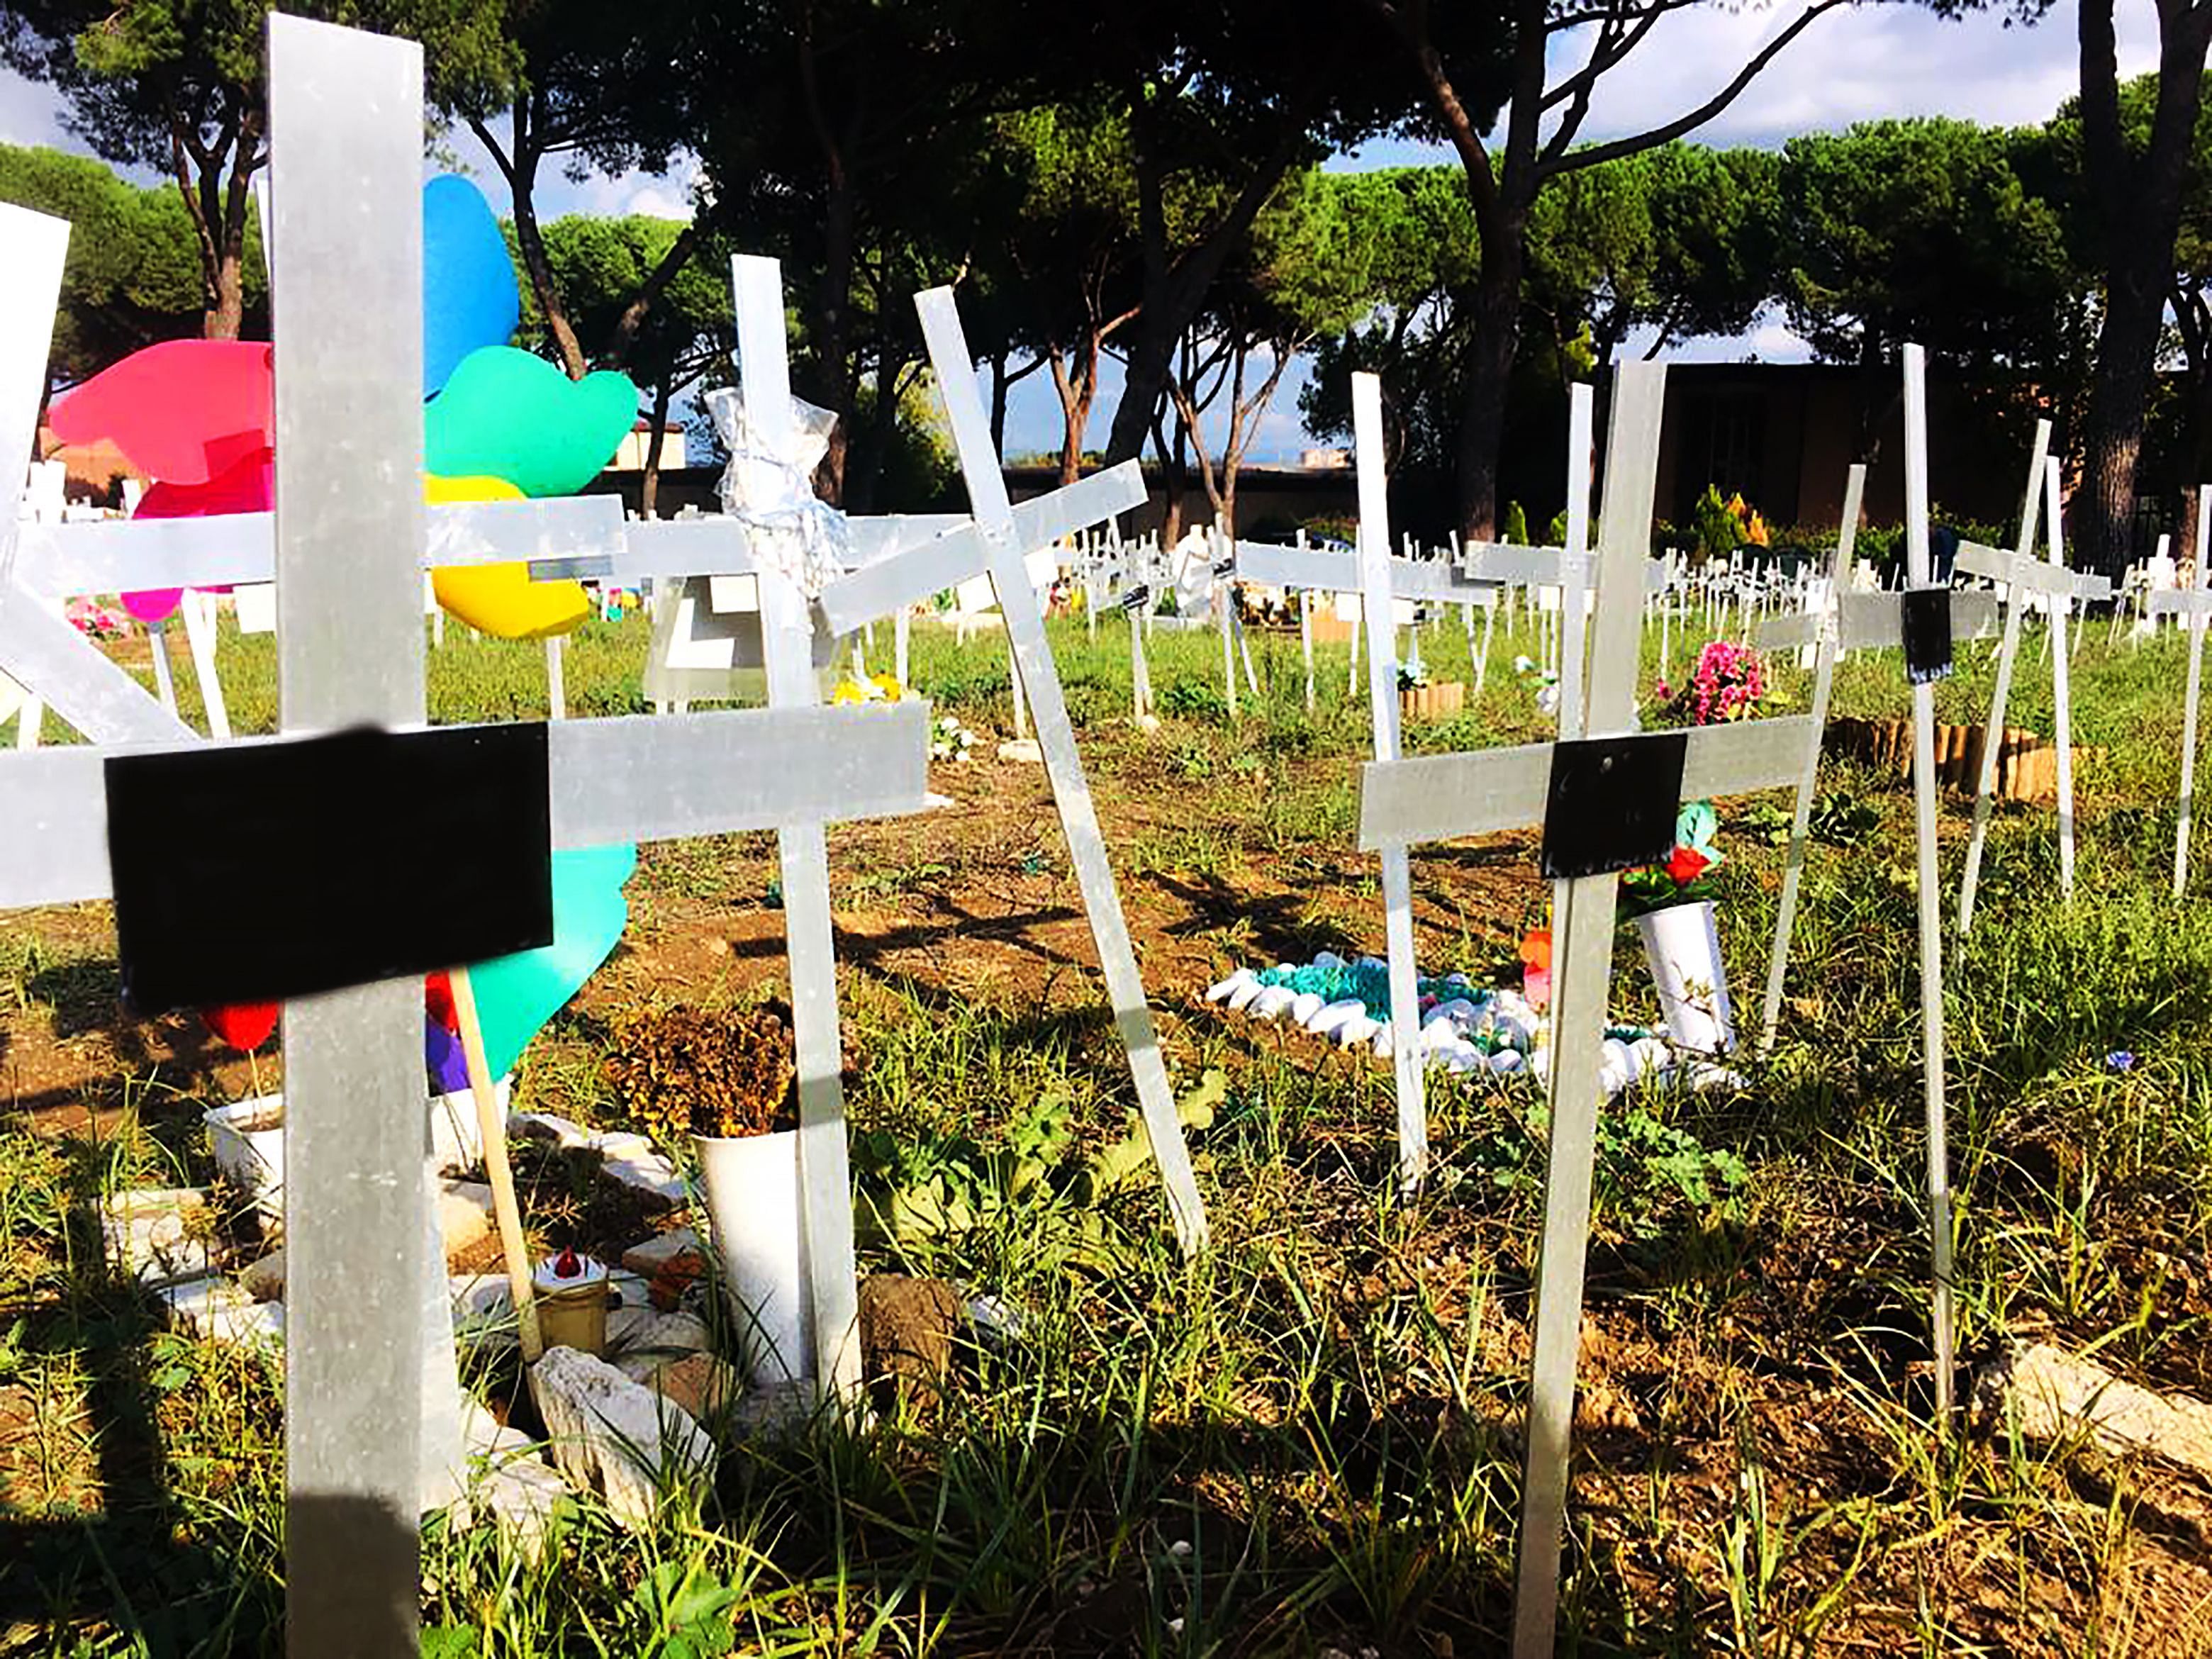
x=1854 y=64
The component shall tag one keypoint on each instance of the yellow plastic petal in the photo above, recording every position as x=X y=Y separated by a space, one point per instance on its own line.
x=500 y=599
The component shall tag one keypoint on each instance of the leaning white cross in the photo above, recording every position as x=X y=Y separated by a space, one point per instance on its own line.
x=2194 y=602
x=1444 y=797
x=2023 y=576
x=346 y=113
x=995 y=544
x=1823 y=620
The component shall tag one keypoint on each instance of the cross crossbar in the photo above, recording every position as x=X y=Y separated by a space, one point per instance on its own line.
x=634 y=778
x=1480 y=791
x=916 y=573
x=2027 y=571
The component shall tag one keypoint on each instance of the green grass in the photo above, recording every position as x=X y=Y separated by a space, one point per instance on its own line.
x=1310 y=1439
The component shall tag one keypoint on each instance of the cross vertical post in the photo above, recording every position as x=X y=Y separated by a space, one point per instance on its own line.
x=1931 y=920
x=1824 y=676
x=1086 y=842
x=802 y=850
x=2062 y=717
x=1376 y=600
x=2196 y=597
x=345 y=119
x=1993 y=732
x=1583 y=925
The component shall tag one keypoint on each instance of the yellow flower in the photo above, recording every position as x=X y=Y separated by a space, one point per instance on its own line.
x=849 y=691
x=888 y=688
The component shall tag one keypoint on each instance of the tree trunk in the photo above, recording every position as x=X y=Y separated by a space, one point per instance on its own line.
x=1497 y=307
x=1173 y=291
x=1076 y=392
x=2140 y=202
x=519 y=161
x=649 y=492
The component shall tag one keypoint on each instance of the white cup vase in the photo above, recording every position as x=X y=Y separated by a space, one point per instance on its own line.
x=754 y=1205
x=1682 y=943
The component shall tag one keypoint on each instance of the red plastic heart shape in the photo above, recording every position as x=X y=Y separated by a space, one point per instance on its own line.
x=185 y=411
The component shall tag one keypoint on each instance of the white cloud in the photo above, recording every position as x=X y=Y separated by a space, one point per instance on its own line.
x=1853 y=65
x=30 y=113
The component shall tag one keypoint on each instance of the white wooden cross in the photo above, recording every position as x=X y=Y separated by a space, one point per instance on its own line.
x=346 y=126
x=2194 y=602
x=2022 y=575
x=1824 y=676
x=1444 y=797
x=995 y=544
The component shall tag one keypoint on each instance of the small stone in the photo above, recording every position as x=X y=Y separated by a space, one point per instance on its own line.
x=464 y=1215
x=1507 y=1061
x=1458 y=1013
x=906 y=1328
x=1333 y=1015
x=524 y=1497
x=213 y=1309
x=651 y=1255
x=157 y=1237
x=484 y=1436
x=650 y=1176
x=1272 y=1002
x=1305 y=1006
x=624 y=1145
x=616 y=1436
x=639 y=1331
x=264 y=1280
x=1245 y=995
x=702 y=1383
x=1026 y=750
x=1358 y=1029
x=2059 y=1396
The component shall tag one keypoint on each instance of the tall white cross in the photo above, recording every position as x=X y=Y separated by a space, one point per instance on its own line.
x=1444 y=797
x=346 y=125
x=2023 y=574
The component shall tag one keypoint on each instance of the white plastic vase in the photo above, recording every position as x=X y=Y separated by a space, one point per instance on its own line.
x=1682 y=943
x=754 y=1204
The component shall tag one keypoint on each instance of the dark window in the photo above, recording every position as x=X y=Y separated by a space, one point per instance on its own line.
x=1723 y=443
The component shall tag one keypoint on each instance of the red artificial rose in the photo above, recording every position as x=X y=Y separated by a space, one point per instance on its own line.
x=244 y=1025
x=1685 y=863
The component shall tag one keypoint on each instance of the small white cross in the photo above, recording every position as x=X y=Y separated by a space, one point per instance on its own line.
x=2021 y=575
x=2194 y=602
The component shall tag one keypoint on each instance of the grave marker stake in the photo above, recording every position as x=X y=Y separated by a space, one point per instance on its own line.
x=1931 y=920
x=2196 y=598
x=345 y=124
x=1376 y=599
x=1442 y=797
x=2024 y=576
x=1824 y=676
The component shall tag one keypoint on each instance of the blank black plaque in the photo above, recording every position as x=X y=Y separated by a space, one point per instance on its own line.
x=253 y=872
x=1137 y=597
x=1612 y=803
x=1924 y=620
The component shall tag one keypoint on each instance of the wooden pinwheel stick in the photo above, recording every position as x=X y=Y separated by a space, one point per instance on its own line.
x=491 y=1126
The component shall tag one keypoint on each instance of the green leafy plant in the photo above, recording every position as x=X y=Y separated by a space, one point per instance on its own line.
x=1841 y=818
